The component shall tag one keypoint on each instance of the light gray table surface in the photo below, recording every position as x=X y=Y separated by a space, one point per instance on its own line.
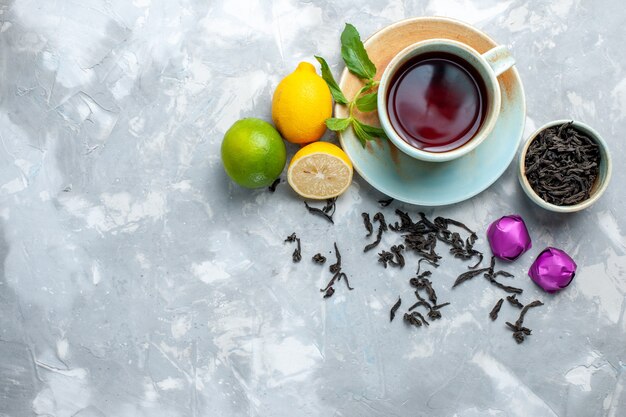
x=137 y=280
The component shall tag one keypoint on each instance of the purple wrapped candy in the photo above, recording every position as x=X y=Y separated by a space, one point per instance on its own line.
x=553 y=270
x=508 y=237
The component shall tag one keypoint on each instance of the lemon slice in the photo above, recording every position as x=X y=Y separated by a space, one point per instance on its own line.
x=320 y=170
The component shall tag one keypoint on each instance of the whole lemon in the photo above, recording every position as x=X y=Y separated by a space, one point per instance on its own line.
x=301 y=104
x=253 y=153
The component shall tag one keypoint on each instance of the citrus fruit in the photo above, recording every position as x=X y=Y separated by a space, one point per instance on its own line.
x=320 y=170
x=301 y=104
x=253 y=153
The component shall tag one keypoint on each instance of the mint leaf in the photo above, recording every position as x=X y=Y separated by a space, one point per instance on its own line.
x=354 y=54
x=367 y=102
x=374 y=131
x=337 y=125
x=330 y=80
x=366 y=132
x=361 y=134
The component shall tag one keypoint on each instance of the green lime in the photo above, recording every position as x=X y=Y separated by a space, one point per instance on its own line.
x=253 y=153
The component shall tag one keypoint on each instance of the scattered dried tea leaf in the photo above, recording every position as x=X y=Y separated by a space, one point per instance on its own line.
x=345 y=278
x=399 y=258
x=395 y=308
x=496 y=309
x=318 y=258
x=336 y=267
x=514 y=301
x=367 y=223
x=393 y=256
x=469 y=275
x=326 y=212
x=419 y=264
x=385 y=258
x=415 y=319
x=297 y=253
x=382 y=227
x=338 y=275
x=519 y=331
x=272 y=187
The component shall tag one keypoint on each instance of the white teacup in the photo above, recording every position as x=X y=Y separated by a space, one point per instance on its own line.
x=487 y=66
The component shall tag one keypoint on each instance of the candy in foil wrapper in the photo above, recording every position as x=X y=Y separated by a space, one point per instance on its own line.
x=553 y=270
x=508 y=237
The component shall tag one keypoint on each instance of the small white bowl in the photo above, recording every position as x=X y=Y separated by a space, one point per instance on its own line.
x=601 y=183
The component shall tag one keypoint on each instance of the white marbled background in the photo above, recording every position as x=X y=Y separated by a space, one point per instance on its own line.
x=137 y=280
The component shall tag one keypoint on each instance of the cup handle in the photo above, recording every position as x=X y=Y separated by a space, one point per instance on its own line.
x=499 y=59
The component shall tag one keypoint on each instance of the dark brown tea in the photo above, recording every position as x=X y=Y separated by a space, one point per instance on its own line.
x=436 y=102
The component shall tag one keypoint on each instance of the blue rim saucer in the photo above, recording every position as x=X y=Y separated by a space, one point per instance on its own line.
x=422 y=183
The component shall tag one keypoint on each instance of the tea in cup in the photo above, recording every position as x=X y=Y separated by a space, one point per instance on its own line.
x=439 y=99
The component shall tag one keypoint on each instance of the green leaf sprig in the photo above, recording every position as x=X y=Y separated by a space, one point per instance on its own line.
x=358 y=62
